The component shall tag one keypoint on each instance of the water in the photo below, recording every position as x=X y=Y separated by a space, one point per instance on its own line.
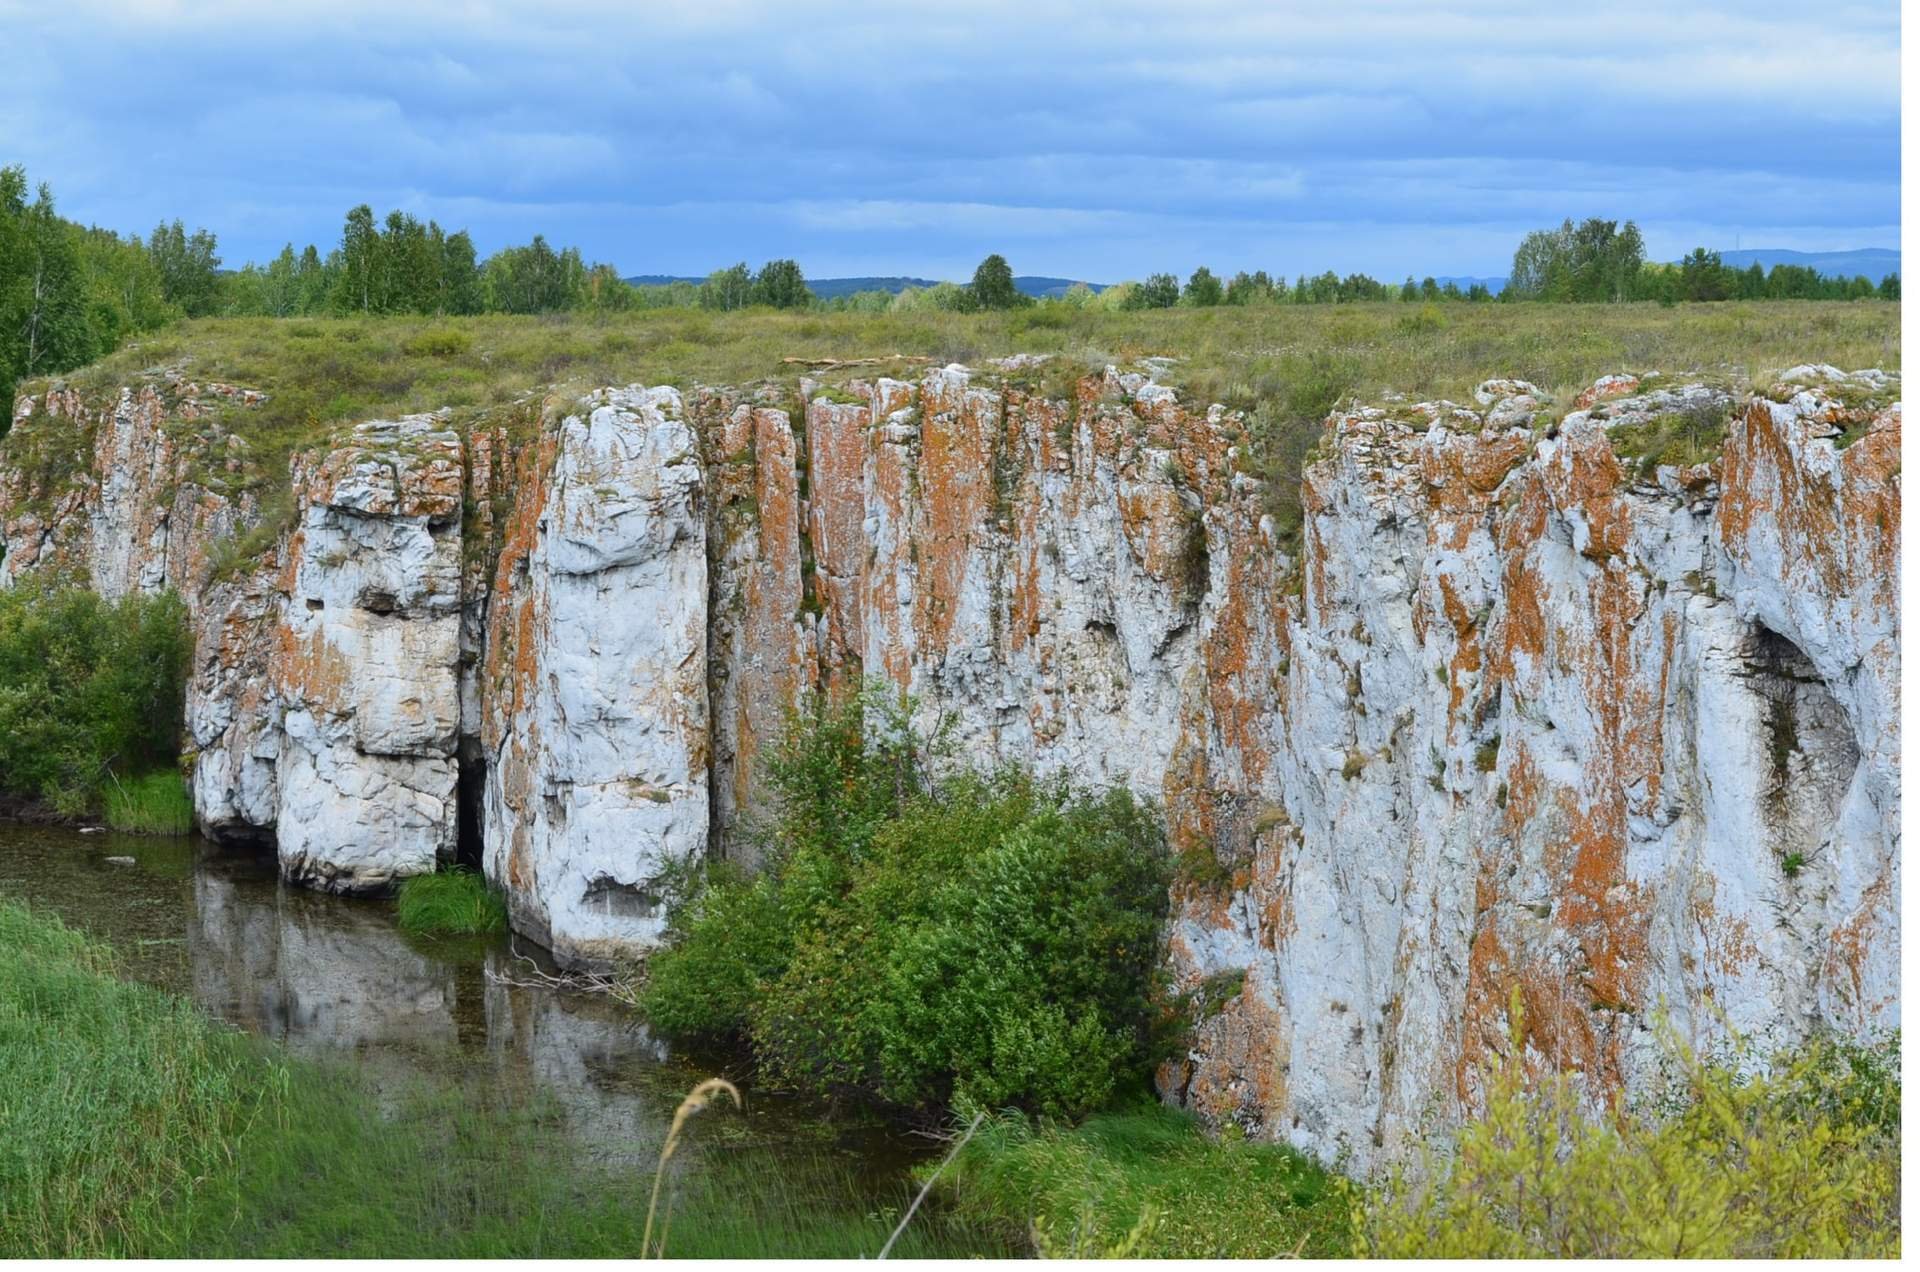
x=334 y=978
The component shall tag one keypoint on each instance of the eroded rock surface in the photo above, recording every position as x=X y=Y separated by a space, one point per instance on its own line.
x=1597 y=712
x=595 y=727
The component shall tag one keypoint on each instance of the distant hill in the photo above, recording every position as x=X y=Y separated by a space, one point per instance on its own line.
x=1875 y=262
x=1465 y=282
x=828 y=288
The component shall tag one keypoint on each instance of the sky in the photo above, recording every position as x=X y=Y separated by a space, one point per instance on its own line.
x=1097 y=141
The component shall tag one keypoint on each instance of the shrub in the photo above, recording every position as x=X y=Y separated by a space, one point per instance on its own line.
x=920 y=938
x=437 y=342
x=156 y=803
x=87 y=686
x=1799 y=1157
x=454 y=902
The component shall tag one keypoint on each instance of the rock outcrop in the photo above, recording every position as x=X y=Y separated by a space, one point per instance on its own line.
x=595 y=689
x=1599 y=713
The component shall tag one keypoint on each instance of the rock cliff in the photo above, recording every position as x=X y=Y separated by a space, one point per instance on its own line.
x=1596 y=712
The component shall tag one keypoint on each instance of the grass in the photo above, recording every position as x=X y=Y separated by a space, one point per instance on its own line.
x=156 y=803
x=324 y=372
x=456 y=902
x=1147 y=1182
x=131 y=1125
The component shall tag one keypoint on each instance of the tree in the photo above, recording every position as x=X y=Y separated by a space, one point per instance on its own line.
x=51 y=315
x=1596 y=260
x=1160 y=291
x=992 y=286
x=359 y=249
x=189 y=267
x=459 y=275
x=728 y=289
x=1703 y=277
x=782 y=285
x=1890 y=287
x=1203 y=289
x=1250 y=289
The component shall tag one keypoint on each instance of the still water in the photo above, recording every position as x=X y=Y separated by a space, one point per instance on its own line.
x=335 y=979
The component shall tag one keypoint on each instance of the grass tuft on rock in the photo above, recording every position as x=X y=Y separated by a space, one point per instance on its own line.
x=156 y=803
x=456 y=902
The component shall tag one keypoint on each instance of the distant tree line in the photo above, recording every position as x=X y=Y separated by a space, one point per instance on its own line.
x=70 y=294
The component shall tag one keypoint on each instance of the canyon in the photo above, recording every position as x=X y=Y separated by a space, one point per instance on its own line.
x=1524 y=727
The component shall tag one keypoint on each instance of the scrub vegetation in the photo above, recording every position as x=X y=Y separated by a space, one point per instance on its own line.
x=1741 y=1157
x=91 y=697
x=921 y=937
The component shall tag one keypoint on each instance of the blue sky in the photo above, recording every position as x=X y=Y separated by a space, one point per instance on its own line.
x=1094 y=141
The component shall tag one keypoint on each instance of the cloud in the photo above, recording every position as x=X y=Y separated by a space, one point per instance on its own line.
x=918 y=136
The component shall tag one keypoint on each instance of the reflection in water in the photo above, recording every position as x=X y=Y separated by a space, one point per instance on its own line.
x=333 y=978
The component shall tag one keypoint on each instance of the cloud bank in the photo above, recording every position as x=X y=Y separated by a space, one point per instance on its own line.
x=1097 y=141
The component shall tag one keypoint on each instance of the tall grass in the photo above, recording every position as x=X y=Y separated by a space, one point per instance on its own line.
x=456 y=902
x=133 y=1126
x=118 y=1103
x=1146 y=1182
x=156 y=803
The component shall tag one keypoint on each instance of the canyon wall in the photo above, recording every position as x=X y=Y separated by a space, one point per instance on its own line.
x=1518 y=712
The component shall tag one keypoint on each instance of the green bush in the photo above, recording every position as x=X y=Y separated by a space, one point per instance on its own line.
x=454 y=902
x=921 y=939
x=156 y=803
x=1798 y=1157
x=87 y=687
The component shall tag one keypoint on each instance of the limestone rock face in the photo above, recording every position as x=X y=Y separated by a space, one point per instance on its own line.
x=1614 y=738
x=1493 y=705
x=595 y=730
x=365 y=667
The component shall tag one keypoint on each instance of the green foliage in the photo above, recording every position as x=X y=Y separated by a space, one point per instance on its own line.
x=87 y=687
x=67 y=295
x=188 y=266
x=1595 y=260
x=456 y=902
x=992 y=286
x=1146 y=1182
x=920 y=938
x=781 y=285
x=727 y=289
x=156 y=803
x=1796 y=1158
x=1160 y=291
x=1203 y=289
x=133 y=1126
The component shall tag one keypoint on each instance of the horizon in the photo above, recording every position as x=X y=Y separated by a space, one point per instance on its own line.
x=691 y=136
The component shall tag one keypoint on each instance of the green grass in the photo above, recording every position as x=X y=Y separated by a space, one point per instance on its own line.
x=131 y=1125
x=455 y=902
x=1148 y=1182
x=156 y=803
x=118 y=1102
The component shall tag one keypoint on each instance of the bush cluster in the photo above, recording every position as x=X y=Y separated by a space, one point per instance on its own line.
x=921 y=938
x=1790 y=1156
x=88 y=689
